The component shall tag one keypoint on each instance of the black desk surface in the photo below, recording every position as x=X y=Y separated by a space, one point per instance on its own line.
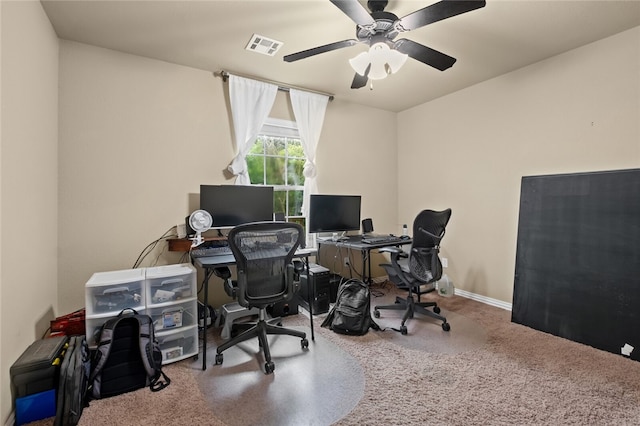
x=355 y=242
x=229 y=259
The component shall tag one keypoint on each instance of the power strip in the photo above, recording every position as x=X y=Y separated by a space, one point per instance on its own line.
x=181 y=229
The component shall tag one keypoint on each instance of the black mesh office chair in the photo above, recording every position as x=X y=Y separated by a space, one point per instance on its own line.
x=264 y=259
x=420 y=267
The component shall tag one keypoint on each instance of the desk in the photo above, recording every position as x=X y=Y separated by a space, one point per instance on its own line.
x=184 y=244
x=210 y=263
x=354 y=242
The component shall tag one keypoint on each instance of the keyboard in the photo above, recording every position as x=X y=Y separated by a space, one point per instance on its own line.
x=381 y=239
x=211 y=251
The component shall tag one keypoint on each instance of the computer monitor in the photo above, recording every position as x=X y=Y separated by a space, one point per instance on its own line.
x=334 y=213
x=232 y=205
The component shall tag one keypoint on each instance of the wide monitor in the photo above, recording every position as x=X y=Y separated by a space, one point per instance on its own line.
x=232 y=205
x=334 y=213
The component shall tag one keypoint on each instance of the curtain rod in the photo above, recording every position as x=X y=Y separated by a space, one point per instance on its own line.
x=285 y=88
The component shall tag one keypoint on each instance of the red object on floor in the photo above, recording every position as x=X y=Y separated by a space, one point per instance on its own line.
x=70 y=324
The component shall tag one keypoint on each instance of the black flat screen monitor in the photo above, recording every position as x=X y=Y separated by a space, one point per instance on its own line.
x=334 y=213
x=232 y=205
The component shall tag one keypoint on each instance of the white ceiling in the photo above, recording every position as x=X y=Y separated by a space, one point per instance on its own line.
x=211 y=35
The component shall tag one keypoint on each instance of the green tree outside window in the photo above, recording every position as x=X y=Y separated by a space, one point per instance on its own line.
x=278 y=161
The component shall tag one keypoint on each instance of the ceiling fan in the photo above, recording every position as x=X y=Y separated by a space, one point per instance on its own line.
x=379 y=29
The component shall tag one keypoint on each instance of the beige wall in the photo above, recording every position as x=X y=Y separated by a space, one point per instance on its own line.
x=107 y=164
x=139 y=136
x=29 y=183
x=575 y=112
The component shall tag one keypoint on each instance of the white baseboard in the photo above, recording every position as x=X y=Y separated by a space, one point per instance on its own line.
x=478 y=298
x=484 y=299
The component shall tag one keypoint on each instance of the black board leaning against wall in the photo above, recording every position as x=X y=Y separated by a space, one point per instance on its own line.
x=578 y=258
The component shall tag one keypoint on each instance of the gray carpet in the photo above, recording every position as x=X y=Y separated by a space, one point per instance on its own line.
x=510 y=375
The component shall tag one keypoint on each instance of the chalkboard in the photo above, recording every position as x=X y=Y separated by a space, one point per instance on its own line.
x=577 y=271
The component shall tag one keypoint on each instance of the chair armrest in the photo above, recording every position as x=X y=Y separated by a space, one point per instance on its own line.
x=393 y=250
x=292 y=277
x=231 y=288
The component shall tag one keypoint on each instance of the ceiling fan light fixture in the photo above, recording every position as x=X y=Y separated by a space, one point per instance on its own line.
x=383 y=60
x=360 y=63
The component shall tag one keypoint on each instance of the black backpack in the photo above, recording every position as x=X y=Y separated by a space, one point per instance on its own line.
x=127 y=357
x=72 y=384
x=352 y=312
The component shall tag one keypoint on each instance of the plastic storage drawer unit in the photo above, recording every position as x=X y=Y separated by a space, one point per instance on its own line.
x=175 y=315
x=170 y=283
x=114 y=291
x=178 y=344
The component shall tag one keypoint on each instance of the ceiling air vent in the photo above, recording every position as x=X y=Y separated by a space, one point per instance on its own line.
x=263 y=45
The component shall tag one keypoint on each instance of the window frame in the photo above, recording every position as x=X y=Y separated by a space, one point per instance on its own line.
x=285 y=129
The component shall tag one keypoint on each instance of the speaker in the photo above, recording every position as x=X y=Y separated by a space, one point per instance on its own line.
x=315 y=286
x=367 y=225
x=190 y=231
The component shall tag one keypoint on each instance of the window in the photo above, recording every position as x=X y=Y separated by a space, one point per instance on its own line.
x=277 y=159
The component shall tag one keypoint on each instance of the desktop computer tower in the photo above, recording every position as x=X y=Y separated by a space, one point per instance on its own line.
x=315 y=286
x=334 y=285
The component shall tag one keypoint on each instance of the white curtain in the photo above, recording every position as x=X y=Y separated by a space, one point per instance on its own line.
x=309 y=110
x=251 y=102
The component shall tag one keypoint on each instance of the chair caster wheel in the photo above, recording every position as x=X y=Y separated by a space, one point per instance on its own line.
x=269 y=367
x=403 y=330
x=219 y=359
x=446 y=326
x=304 y=343
x=376 y=313
x=436 y=309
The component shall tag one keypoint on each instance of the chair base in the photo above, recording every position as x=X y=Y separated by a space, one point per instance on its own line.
x=261 y=330
x=410 y=308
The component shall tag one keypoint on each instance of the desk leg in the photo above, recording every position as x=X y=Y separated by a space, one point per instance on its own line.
x=205 y=283
x=309 y=298
x=365 y=258
x=369 y=276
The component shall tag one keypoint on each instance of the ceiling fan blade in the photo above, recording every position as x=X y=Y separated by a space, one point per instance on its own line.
x=361 y=80
x=354 y=10
x=439 y=11
x=425 y=54
x=318 y=50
